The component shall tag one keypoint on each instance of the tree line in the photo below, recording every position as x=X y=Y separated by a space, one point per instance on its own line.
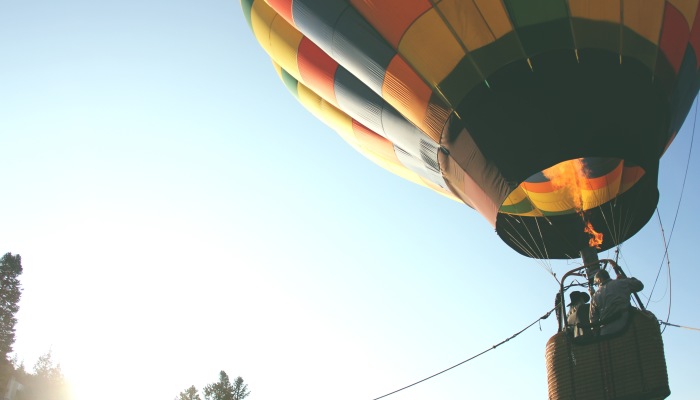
x=223 y=389
x=46 y=382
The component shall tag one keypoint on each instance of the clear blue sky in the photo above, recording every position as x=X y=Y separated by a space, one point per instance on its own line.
x=179 y=213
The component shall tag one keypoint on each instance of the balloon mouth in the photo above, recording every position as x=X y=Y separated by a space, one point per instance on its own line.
x=572 y=186
x=608 y=199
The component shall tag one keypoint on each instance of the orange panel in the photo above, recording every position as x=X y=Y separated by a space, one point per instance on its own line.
x=539 y=187
x=283 y=8
x=406 y=91
x=602 y=181
x=391 y=18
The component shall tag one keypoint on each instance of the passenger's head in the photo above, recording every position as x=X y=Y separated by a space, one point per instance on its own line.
x=579 y=297
x=601 y=277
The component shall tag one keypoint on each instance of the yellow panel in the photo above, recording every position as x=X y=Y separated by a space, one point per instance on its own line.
x=261 y=17
x=396 y=169
x=329 y=114
x=515 y=197
x=556 y=201
x=598 y=10
x=467 y=23
x=496 y=16
x=431 y=48
x=560 y=200
x=284 y=43
x=595 y=198
x=644 y=17
x=688 y=8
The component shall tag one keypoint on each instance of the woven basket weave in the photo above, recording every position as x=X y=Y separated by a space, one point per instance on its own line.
x=625 y=366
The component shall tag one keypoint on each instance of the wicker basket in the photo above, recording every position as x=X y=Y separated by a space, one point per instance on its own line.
x=629 y=365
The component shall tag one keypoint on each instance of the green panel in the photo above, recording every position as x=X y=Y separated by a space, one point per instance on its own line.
x=463 y=78
x=492 y=57
x=247 y=5
x=664 y=74
x=596 y=35
x=530 y=12
x=522 y=207
x=636 y=46
x=290 y=83
x=553 y=35
x=556 y=213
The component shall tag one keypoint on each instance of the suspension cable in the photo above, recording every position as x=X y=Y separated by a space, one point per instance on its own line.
x=666 y=323
x=524 y=245
x=665 y=258
x=470 y=358
x=680 y=198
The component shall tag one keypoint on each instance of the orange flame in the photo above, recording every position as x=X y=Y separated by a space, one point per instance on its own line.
x=596 y=237
x=570 y=176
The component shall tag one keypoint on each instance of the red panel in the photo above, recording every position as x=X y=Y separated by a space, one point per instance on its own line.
x=673 y=136
x=283 y=8
x=317 y=69
x=391 y=18
x=373 y=142
x=631 y=175
x=674 y=36
x=695 y=34
x=602 y=181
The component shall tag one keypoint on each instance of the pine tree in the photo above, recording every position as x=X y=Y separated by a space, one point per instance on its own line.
x=240 y=389
x=46 y=383
x=10 y=293
x=221 y=390
x=224 y=390
x=189 y=394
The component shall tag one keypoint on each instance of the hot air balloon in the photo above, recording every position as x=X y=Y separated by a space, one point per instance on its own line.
x=548 y=117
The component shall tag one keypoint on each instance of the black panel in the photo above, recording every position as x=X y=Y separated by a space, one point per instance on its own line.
x=529 y=120
x=596 y=34
x=552 y=35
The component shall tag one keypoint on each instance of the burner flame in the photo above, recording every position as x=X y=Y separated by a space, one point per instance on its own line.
x=571 y=176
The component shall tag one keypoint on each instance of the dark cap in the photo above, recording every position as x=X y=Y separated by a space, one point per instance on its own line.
x=577 y=296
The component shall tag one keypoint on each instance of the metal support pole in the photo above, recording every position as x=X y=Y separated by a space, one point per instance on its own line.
x=592 y=264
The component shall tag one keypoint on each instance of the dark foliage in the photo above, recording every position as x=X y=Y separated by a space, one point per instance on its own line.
x=10 y=293
x=189 y=394
x=224 y=390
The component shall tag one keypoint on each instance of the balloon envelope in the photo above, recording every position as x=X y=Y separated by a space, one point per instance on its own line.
x=482 y=101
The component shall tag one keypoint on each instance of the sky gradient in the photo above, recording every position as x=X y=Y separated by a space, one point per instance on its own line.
x=179 y=213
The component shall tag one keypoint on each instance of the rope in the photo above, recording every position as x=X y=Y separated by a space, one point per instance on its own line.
x=678 y=207
x=524 y=245
x=678 y=326
x=470 y=358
